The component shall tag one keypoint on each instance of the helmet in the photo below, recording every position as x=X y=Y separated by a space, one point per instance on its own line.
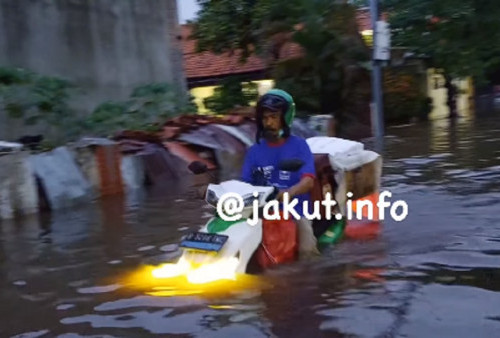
x=276 y=100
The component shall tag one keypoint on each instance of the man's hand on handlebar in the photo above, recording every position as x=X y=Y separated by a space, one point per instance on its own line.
x=305 y=185
x=281 y=193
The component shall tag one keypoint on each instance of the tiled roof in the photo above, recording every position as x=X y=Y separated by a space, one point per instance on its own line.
x=207 y=64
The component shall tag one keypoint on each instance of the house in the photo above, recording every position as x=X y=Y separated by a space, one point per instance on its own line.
x=204 y=71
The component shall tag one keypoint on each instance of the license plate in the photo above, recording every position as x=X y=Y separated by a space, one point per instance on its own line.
x=204 y=242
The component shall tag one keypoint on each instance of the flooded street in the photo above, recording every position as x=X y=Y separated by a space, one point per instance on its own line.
x=83 y=273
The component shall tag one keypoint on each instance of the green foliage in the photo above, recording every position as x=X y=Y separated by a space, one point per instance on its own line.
x=244 y=25
x=42 y=100
x=331 y=44
x=158 y=100
x=147 y=107
x=231 y=94
x=107 y=118
x=15 y=76
x=403 y=99
x=35 y=98
x=325 y=30
x=297 y=77
x=461 y=37
x=262 y=26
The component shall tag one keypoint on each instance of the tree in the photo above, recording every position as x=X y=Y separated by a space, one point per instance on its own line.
x=231 y=94
x=325 y=30
x=246 y=26
x=332 y=47
x=460 y=37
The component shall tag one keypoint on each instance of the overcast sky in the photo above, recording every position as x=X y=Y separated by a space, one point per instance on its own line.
x=187 y=10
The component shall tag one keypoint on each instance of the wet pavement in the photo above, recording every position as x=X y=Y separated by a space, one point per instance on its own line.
x=83 y=273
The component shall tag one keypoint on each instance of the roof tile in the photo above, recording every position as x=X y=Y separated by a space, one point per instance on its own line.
x=207 y=64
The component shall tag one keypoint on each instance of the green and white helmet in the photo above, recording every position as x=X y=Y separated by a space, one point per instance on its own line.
x=276 y=100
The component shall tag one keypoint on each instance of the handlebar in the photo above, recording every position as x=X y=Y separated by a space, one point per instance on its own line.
x=273 y=195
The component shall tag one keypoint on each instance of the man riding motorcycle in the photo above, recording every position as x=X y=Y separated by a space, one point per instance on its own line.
x=274 y=115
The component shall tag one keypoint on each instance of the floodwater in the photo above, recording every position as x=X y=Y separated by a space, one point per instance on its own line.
x=83 y=273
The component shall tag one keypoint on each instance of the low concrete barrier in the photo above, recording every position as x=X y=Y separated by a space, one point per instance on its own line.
x=61 y=178
x=18 y=189
x=132 y=170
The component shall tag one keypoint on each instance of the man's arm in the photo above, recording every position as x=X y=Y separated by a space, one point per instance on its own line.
x=308 y=173
x=305 y=185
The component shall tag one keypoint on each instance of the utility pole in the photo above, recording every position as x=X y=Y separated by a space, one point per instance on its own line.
x=380 y=52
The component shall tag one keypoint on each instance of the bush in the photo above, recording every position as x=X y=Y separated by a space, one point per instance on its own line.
x=231 y=94
x=34 y=99
x=146 y=109
x=37 y=99
x=403 y=98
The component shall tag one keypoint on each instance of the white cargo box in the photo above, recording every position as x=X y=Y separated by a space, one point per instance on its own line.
x=356 y=170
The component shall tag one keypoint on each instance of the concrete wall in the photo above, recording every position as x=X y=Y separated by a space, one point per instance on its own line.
x=107 y=47
x=439 y=94
x=18 y=190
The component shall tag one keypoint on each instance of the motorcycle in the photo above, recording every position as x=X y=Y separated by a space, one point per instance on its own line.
x=221 y=249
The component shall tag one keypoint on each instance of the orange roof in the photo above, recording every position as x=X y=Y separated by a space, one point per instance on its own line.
x=207 y=64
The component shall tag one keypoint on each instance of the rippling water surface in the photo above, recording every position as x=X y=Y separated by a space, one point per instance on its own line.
x=83 y=273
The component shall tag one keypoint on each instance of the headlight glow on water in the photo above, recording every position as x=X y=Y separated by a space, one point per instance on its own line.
x=205 y=273
x=170 y=270
x=221 y=269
